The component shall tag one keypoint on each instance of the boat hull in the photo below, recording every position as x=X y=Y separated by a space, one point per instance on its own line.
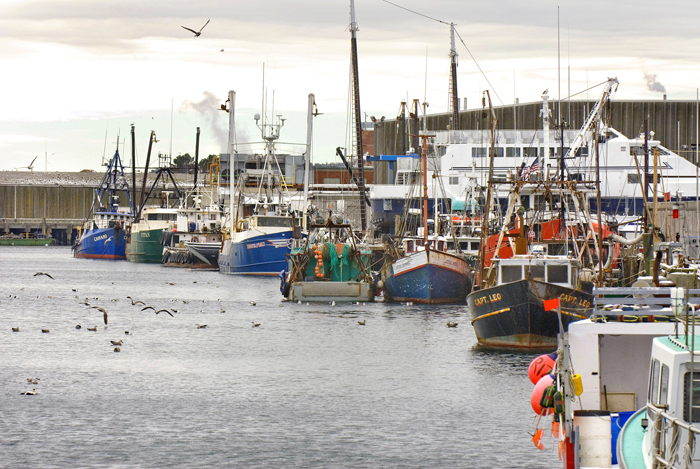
x=101 y=243
x=205 y=253
x=512 y=315
x=428 y=277
x=144 y=247
x=331 y=291
x=256 y=255
x=27 y=242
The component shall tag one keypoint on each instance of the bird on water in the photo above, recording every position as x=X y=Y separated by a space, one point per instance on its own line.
x=255 y=324
x=451 y=324
x=45 y=331
x=15 y=329
x=201 y=326
x=92 y=329
x=33 y=380
x=361 y=323
x=196 y=33
x=116 y=342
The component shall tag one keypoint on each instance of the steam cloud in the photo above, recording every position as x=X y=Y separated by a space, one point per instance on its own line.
x=652 y=84
x=209 y=107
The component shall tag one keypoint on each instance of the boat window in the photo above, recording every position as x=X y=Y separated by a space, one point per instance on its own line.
x=557 y=273
x=478 y=152
x=152 y=216
x=663 y=393
x=535 y=272
x=529 y=152
x=454 y=180
x=475 y=245
x=498 y=151
x=695 y=397
x=274 y=221
x=212 y=216
x=410 y=246
x=654 y=387
x=511 y=273
x=102 y=217
x=111 y=224
x=512 y=152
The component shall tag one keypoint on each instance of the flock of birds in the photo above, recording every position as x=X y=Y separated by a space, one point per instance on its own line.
x=119 y=343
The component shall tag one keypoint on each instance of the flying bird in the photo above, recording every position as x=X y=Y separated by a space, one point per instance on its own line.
x=104 y=312
x=148 y=307
x=133 y=303
x=31 y=165
x=196 y=33
x=44 y=273
x=161 y=310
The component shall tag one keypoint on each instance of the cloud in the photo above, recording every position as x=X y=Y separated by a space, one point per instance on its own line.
x=652 y=84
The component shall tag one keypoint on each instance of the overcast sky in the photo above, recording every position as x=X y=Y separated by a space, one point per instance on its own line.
x=75 y=70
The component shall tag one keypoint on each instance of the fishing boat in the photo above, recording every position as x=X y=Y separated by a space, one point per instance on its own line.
x=557 y=253
x=103 y=233
x=261 y=221
x=144 y=238
x=421 y=270
x=329 y=265
x=195 y=239
x=598 y=378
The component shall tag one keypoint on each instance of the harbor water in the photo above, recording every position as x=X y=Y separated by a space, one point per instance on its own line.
x=308 y=387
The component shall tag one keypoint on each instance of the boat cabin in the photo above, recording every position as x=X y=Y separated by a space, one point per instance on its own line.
x=558 y=270
x=111 y=219
x=410 y=245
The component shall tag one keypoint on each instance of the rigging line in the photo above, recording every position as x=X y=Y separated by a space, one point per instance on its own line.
x=478 y=66
x=587 y=89
x=415 y=12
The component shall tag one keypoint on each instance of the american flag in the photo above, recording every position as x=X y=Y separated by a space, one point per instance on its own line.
x=534 y=168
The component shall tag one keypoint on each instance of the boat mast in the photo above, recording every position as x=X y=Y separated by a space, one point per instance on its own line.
x=357 y=116
x=424 y=157
x=133 y=167
x=307 y=162
x=196 y=161
x=454 y=98
x=231 y=156
x=487 y=208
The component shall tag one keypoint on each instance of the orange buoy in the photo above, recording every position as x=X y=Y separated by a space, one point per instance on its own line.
x=537 y=439
x=541 y=385
x=541 y=366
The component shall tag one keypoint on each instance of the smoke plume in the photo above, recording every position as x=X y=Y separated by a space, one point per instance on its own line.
x=652 y=84
x=209 y=108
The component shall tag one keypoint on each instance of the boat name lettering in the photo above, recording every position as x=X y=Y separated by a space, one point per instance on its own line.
x=494 y=298
x=97 y=238
x=146 y=234
x=256 y=245
x=572 y=300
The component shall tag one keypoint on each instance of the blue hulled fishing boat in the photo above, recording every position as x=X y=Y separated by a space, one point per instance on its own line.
x=103 y=234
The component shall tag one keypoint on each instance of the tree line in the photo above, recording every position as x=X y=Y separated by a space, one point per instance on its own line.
x=186 y=161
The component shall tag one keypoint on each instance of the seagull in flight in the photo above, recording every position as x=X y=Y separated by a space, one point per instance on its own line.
x=31 y=165
x=197 y=33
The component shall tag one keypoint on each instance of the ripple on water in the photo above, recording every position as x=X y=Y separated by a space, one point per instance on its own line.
x=309 y=387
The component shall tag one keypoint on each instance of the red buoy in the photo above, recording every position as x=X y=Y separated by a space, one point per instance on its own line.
x=541 y=366
x=541 y=385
